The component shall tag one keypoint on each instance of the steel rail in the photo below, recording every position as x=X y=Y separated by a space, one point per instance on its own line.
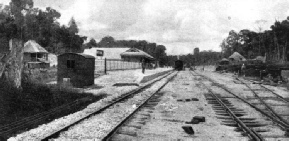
x=264 y=103
x=281 y=124
x=115 y=101
x=251 y=133
x=33 y=120
x=279 y=96
x=126 y=119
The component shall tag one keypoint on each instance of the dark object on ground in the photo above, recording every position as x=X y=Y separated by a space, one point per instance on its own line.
x=193 y=121
x=188 y=99
x=199 y=118
x=195 y=99
x=287 y=133
x=179 y=65
x=188 y=130
x=125 y=84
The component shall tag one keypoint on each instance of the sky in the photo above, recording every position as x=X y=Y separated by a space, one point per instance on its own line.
x=180 y=25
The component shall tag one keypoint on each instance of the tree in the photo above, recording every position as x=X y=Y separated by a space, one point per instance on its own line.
x=72 y=26
x=19 y=9
x=160 y=54
x=91 y=43
x=107 y=41
x=12 y=62
x=259 y=27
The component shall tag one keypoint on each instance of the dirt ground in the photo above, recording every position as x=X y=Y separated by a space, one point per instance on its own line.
x=173 y=111
x=171 y=114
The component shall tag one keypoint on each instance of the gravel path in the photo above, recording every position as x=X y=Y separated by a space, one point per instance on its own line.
x=99 y=125
x=111 y=91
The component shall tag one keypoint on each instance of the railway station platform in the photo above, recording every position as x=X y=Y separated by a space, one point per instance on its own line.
x=122 y=81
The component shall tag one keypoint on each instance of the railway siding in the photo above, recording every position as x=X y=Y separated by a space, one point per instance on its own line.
x=252 y=99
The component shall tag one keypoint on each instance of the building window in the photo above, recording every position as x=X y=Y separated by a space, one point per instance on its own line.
x=33 y=55
x=70 y=64
x=99 y=53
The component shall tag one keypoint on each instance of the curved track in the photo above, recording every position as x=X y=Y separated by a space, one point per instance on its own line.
x=226 y=108
x=281 y=123
x=264 y=97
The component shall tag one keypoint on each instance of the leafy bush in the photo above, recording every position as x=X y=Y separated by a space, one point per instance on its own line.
x=36 y=97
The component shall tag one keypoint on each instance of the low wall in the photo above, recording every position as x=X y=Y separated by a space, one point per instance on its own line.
x=153 y=76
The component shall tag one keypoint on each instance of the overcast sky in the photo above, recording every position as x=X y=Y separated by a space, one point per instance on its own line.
x=180 y=25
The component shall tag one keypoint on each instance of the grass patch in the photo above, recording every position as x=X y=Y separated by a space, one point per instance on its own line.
x=37 y=97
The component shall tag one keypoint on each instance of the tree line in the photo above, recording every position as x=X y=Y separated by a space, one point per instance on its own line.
x=157 y=51
x=271 y=43
x=21 y=20
x=206 y=57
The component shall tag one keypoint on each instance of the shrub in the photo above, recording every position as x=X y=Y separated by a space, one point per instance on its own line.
x=36 y=97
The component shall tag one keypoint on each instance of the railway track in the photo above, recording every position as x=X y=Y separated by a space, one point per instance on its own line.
x=233 y=115
x=264 y=99
x=138 y=116
x=270 y=113
x=116 y=103
x=7 y=130
x=32 y=121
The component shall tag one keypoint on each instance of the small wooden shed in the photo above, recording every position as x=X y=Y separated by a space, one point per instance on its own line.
x=78 y=68
x=35 y=56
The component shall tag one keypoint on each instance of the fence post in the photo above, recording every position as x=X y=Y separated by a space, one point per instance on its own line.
x=104 y=65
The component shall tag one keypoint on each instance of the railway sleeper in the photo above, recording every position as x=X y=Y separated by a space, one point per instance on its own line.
x=217 y=103
x=122 y=137
x=227 y=118
x=143 y=114
x=153 y=102
x=128 y=131
x=256 y=129
x=150 y=105
x=134 y=126
x=228 y=115
x=138 y=121
x=245 y=122
x=234 y=110
x=224 y=112
x=145 y=111
x=220 y=106
x=138 y=116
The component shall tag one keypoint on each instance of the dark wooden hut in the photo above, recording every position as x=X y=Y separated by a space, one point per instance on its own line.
x=77 y=67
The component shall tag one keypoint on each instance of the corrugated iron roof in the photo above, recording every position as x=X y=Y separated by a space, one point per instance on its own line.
x=108 y=53
x=81 y=54
x=136 y=52
x=32 y=47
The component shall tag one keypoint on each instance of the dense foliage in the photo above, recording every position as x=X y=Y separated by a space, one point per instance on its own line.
x=271 y=43
x=198 y=58
x=20 y=20
x=157 y=51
